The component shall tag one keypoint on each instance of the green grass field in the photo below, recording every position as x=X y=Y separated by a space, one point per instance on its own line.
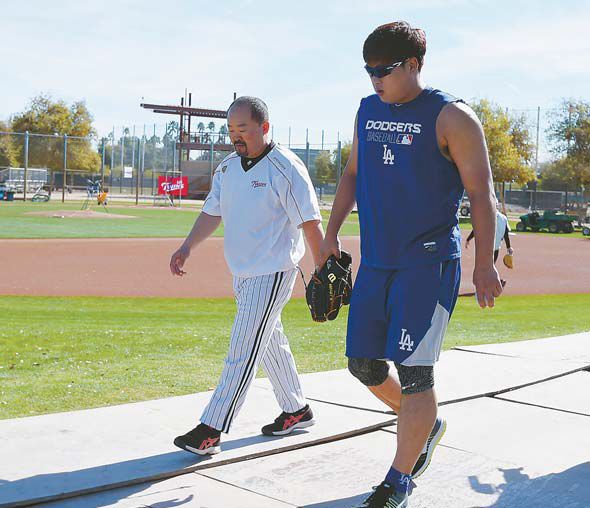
x=145 y=222
x=148 y=222
x=59 y=354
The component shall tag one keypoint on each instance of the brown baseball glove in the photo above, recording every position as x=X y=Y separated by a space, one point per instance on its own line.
x=508 y=261
x=330 y=288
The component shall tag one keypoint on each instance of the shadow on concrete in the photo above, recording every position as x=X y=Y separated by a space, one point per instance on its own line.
x=173 y=502
x=145 y=469
x=111 y=497
x=339 y=503
x=569 y=488
x=349 y=501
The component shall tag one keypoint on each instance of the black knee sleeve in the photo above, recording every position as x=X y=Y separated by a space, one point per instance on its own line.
x=367 y=371
x=415 y=379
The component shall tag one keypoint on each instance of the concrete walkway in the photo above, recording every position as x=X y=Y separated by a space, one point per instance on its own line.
x=518 y=436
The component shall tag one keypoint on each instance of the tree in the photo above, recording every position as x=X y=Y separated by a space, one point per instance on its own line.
x=172 y=130
x=569 y=132
x=555 y=176
x=326 y=163
x=522 y=139
x=222 y=133
x=55 y=118
x=8 y=150
x=211 y=126
x=569 y=129
x=325 y=169
x=509 y=145
x=344 y=156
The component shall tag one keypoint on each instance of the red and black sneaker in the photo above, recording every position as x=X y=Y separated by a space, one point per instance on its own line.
x=202 y=440
x=288 y=422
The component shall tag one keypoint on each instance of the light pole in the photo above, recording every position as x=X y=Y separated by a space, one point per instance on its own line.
x=536 y=159
x=569 y=142
x=65 y=167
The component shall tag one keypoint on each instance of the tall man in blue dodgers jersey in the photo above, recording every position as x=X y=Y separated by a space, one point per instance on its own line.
x=264 y=195
x=415 y=150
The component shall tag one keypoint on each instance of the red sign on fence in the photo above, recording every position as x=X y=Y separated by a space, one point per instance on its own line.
x=173 y=186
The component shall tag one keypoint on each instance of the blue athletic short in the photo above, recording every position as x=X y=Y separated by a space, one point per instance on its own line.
x=402 y=315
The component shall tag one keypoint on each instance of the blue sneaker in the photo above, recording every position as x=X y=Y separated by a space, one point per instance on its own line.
x=385 y=496
x=440 y=426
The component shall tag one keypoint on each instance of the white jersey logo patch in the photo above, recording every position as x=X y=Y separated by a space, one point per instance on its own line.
x=388 y=156
x=256 y=184
x=406 y=343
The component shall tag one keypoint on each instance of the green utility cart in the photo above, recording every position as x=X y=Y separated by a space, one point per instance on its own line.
x=550 y=220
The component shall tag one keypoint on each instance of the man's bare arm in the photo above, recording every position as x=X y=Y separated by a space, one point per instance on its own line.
x=202 y=229
x=462 y=135
x=314 y=235
x=343 y=203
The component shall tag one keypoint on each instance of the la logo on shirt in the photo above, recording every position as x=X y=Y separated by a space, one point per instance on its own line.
x=388 y=156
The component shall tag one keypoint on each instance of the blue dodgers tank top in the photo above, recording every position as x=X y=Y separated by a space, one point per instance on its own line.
x=407 y=192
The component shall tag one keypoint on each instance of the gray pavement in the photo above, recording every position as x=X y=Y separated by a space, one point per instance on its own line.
x=518 y=436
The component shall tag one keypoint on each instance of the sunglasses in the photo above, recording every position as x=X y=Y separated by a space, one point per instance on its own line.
x=380 y=71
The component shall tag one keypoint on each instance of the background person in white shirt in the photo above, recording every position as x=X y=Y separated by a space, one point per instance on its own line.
x=265 y=197
x=502 y=233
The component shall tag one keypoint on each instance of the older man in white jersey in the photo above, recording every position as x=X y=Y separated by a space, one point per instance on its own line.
x=265 y=197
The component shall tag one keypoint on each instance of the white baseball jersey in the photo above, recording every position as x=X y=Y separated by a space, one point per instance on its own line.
x=263 y=208
x=501 y=224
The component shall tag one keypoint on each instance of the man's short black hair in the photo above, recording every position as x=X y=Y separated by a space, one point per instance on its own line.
x=395 y=42
x=258 y=108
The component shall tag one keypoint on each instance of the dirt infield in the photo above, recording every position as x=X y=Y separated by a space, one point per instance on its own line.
x=139 y=267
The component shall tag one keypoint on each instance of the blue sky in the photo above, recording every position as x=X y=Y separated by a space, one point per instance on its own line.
x=303 y=58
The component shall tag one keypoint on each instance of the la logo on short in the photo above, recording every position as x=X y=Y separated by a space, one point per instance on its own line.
x=406 y=343
x=388 y=156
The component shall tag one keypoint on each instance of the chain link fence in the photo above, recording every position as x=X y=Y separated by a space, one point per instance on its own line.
x=74 y=167
x=130 y=165
x=33 y=165
x=532 y=199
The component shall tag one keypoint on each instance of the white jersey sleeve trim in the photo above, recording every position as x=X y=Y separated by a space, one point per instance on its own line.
x=212 y=205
